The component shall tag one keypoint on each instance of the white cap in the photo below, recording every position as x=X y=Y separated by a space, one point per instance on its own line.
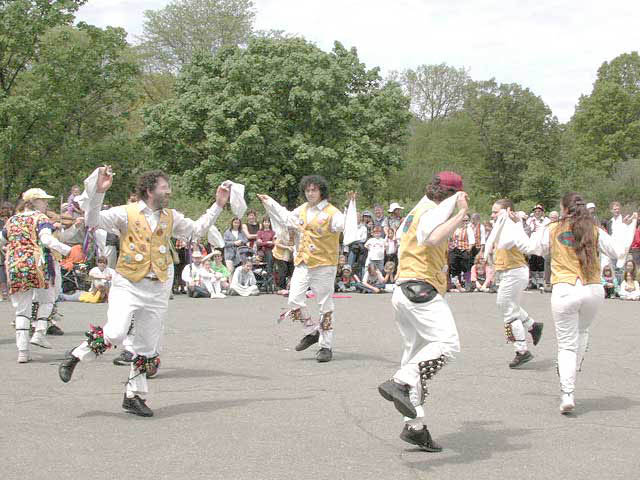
x=35 y=194
x=196 y=254
x=591 y=205
x=393 y=206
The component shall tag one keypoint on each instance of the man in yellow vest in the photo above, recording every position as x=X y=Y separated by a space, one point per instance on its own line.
x=513 y=269
x=422 y=314
x=318 y=224
x=142 y=281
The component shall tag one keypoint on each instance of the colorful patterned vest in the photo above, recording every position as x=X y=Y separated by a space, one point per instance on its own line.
x=25 y=257
x=421 y=262
x=143 y=251
x=565 y=266
x=319 y=246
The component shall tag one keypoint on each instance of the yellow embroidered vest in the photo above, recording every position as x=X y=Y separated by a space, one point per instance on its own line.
x=142 y=250
x=508 y=259
x=565 y=266
x=319 y=246
x=421 y=262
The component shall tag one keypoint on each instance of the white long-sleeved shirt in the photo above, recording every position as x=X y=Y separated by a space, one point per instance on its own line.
x=114 y=220
x=292 y=219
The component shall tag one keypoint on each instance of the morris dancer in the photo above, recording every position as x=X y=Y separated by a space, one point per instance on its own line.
x=142 y=282
x=575 y=243
x=513 y=269
x=30 y=269
x=319 y=225
x=421 y=313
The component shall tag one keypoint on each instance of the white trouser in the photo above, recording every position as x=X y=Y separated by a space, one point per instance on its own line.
x=428 y=331
x=574 y=308
x=21 y=302
x=512 y=283
x=320 y=280
x=148 y=300
x=112 y=256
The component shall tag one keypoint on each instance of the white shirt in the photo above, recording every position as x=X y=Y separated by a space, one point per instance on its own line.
x=99 y=277
x=292 y=219
x=376 y=247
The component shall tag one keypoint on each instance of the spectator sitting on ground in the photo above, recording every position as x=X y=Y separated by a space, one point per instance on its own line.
x=372 y=281
x=200 y=282
x=481 y=275
x=347 y=281
x=629 y=290
x=101 y=276
x=376 y=246
x=389 y=276
x=219 y=269
x=609 y=282
x=244 y=281
x=630 y=267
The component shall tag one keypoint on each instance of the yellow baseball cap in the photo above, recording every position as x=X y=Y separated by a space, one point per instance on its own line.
x=35 y=194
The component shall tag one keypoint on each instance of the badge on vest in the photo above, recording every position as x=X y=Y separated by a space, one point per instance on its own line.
x=138 y=257
x=132 y=246
x=162 y=249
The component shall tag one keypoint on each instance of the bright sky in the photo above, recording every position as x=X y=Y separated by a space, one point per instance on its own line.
x=553 y=47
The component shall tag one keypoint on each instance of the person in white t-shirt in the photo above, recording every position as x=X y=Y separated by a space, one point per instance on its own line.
x=101 y=276
x=376 y=246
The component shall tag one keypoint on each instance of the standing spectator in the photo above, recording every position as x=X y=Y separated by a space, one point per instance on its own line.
x=609 y=282
x=73 y=208
x=629 y=290
x=391 y=247
x=460 y=254
x=379 y=220
x=615 y=223
x=479 y=235
x=250 y=229
x=635 y=246
x=265 y=240
x=178 y=285
x=235 y=244
x=244 y=282
x=536 y=222
x=367 y=219
x=376 y=248
x=395 y=219
x=283 y=256
x=591 y=208
x=356 y=248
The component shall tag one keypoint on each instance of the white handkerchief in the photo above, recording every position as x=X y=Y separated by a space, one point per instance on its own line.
x=214 y=237
x=236 y=198
x=351 y=224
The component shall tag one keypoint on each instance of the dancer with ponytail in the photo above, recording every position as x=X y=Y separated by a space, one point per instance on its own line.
x=575 y=243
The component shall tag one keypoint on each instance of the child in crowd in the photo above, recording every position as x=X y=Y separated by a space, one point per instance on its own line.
x=389 y=275
x=629 y=290
x=373 y=281
x=391 y=247
x=347 y=281
x=481 y=275
x=244 y=281
x=376 y=247
x=220 y=270
x=609 y=282
x=73 y=208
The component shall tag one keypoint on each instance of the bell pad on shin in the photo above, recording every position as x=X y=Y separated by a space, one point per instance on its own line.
x=146 y=364
x=508 y=332
x=428 y=369
x=326 y=321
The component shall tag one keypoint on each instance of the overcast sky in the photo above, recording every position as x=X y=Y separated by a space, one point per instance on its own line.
x=553 y=47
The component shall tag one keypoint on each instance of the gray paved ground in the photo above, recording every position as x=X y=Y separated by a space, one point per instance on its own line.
x=234 y=401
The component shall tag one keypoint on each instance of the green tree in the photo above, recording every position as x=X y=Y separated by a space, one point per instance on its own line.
x=65 y=110
x=520 y=139
x=275 y=111
x=172 y=35
x=607 y=122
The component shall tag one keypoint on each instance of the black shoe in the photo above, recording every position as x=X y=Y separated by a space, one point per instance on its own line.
x=324 y=355
x=306 y=341
x=136 y=405
x=399 y=395
x=54 y=330
x=520 y=359
x=65 y=369
x=125 y=358
x=421 y=438
x=536 y=332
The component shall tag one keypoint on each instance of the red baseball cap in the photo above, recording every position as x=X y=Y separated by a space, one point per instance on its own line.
x=450 y=180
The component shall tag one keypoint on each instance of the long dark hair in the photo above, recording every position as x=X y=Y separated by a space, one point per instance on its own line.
x=581 y=224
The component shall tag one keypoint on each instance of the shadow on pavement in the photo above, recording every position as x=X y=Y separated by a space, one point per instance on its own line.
x=201 y=373
x=473 y=443
x=539 y=365
x=188 y=408
x=604 y=404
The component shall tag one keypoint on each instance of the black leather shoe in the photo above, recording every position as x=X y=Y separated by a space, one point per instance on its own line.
x=421 y=438
x=536 y=332
x=399 y=395
x=306 y=341
x=125 y=358
x=324 y=355
x=137 y=406
x=54 y=330
x=520 y=359
x=65 y=369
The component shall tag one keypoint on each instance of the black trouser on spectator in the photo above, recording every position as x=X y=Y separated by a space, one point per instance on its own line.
x=284 y=270
x=474 y=252
x=459 y=263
